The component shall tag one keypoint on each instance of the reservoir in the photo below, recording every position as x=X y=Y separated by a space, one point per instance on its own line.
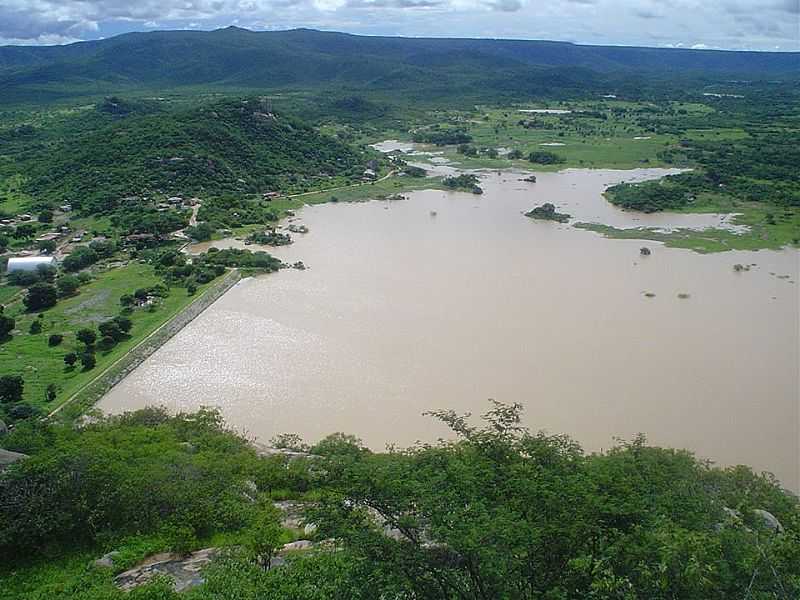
x=446 y=299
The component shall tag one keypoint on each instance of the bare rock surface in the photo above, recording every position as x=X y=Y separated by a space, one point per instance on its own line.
x=185 y=571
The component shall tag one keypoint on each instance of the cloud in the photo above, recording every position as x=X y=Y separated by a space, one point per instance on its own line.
x=505 y=5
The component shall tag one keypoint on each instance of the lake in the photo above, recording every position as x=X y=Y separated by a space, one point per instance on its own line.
x=403 y=310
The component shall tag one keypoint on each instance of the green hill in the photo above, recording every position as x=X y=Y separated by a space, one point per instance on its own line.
x=229 y=147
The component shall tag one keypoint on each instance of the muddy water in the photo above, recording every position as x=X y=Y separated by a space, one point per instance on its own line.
x=402 y=311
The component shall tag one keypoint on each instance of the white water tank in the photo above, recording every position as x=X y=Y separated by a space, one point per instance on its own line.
x=29 y=263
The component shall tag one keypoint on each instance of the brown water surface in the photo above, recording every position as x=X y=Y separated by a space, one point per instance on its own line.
x=402 y=311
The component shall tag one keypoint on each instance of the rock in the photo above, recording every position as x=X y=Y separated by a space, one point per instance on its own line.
x=106 y=561
x=310 y=529
x=298 y=545
x=769 y=520
x=3 y=428
x=7 y=458
x=185 y=571
x=250 y=490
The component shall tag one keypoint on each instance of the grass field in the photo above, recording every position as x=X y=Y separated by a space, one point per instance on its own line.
x=30 y=356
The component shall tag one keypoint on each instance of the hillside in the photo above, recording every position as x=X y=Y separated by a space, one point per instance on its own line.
x=229 y=147
x=236 y=57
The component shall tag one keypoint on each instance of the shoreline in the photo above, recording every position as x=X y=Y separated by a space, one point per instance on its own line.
x=84 y=399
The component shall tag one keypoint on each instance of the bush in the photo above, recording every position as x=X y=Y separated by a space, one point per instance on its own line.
x=70 y=358
x=36 y=327
x=55 y=339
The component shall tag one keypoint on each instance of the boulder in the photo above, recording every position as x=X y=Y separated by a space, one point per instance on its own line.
x=3 y=428
x=7 y=458
x=769 y=520
x=106 y=561
x=298 y=545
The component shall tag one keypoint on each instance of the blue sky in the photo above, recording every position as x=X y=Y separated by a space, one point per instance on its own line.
x=728 y=24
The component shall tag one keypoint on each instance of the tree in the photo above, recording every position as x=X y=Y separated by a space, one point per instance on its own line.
x=110 y=329
x=45 y=216
x=11 y=388
x=86 y=336
x=263 y=537
x=124 y=323
x=88 y=360
x=40 y=296
x=67 y=285
x=47 y=246
x=55 y=339
x=70 y=358
x=24 y=231
x=36 y=327
x=7 y=325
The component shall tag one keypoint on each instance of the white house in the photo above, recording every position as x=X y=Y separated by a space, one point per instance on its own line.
x=29 y=263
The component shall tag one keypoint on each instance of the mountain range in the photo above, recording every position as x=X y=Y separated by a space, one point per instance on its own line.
x=301 y=58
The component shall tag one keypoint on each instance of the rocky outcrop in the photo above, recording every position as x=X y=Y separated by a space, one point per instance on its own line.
x=185 y=571
x=106 y=561
x=3 y=428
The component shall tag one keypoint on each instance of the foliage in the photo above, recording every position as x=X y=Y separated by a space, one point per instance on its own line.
x=126 y=474
x=40 y=296
x=547 y=211
x=11 y=387
x=543 y=157
x=465 y=181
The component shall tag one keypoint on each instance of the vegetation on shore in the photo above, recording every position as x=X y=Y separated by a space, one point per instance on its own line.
x=496 y=512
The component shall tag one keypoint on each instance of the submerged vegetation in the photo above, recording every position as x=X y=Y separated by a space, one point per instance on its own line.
x=497 y=512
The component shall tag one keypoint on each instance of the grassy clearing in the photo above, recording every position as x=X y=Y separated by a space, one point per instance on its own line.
x=770 y=227
x=12 y=199
x=30 y=356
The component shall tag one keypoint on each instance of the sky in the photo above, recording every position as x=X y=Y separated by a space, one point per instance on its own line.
x=723 y=24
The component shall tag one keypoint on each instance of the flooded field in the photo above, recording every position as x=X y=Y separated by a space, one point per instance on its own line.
x=446 y=299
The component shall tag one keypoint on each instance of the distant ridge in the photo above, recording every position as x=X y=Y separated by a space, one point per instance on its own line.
x=304 y=57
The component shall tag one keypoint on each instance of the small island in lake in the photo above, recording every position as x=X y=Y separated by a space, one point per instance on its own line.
x=548 y=212
x=464 y=182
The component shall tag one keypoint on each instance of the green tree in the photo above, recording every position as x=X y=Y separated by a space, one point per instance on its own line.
x=88 y=360
x=55 y=339
x=11 y=388
x=7 y=325
x=36 y=327
x=86 y=336
x=67 y=285
x=263 y=537
x=51 y=392
x=70 y=358
x=40 y=296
